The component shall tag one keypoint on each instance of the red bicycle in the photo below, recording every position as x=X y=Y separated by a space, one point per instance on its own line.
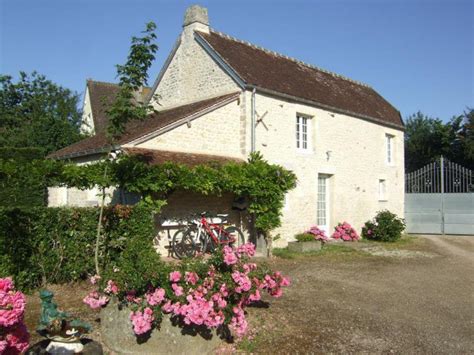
x=203 y=236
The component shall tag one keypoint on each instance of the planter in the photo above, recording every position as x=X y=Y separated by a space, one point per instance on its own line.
x=303 y=247
x=168 y=338
x=61 y=345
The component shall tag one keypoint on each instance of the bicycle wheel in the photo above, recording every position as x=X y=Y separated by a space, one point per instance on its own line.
x=199 y=237
x=233 y=233
x=183 y=244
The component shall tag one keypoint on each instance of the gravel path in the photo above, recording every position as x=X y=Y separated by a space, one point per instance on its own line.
x=383 y=303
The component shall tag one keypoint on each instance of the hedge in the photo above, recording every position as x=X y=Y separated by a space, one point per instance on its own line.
x=21 y=184
x=56 y=245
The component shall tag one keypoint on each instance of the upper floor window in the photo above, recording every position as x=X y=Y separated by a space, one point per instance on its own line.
x=303 y=127
x=389 y=139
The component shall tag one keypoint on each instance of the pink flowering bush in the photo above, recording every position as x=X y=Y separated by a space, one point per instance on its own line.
x=345 y=232
x=14 y=337
x=210 y=293
x=318 y=234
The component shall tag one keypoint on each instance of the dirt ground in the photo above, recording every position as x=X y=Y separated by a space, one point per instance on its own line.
x=413 y=297
x=419 y=301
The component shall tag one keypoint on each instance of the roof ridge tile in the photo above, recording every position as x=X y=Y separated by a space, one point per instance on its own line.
x=312 y=66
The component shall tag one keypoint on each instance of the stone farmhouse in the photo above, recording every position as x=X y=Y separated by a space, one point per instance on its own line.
x=220 y=98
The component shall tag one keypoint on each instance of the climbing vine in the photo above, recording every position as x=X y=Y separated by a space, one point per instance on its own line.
x=264 y=185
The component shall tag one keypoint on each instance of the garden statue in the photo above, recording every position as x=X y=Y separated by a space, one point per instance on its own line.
x=64 y=331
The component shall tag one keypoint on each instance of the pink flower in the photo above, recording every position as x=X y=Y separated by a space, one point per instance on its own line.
x=94 y=279
x=14 y=336
x=277 y=292
x=178 y=290
x=247 y=249
x=111 y=288
x=249 y=267
x=255 y=296
x=345 y=232
x=229 y=256
x=130 y=296
x=95 y=301
x=156 y=297
x=167 y=307
x=175 y=276
x=142 y=321
x=6 y=284
x=3 y=346
x=223 y=290
x=285 y=281
x=191 y=277
x=12 y=307
x=238 y=322
x=242 y=280
x=17 y=339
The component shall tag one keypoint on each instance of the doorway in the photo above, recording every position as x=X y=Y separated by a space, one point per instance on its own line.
x=323 y=218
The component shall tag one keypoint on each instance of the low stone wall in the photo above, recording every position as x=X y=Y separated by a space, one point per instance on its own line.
x=169 y=338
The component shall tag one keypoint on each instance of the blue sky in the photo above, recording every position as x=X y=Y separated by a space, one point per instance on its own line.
x=417 y=53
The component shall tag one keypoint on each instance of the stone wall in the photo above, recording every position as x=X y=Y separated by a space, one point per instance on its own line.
x=351 y=150
x=192 y=75
x=87 y=124
x=216 y=133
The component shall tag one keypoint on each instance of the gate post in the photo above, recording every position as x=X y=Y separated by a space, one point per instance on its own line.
x=442 y=194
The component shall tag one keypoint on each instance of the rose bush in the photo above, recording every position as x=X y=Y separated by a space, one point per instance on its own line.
x=211 y=293
x=14 y=337
x=345 y=232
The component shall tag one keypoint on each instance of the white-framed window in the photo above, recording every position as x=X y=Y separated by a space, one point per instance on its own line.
x=382 y=190
x=303 y=132
x=389 y=146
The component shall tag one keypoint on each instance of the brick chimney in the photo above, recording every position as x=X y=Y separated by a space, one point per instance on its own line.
x=196 y=19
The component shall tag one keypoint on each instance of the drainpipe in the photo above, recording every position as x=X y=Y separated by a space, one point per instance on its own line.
x=252 y=134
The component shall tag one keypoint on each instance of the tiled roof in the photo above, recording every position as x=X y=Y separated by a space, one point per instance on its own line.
x=153 y=156
x=101 y=96
x=281 y=74
x=137 y=129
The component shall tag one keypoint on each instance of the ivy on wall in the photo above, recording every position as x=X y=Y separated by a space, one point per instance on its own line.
x=263 y=184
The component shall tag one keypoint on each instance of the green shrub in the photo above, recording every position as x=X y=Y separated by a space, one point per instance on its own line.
x=21 y=183
x=305 y=237
x=385 y=227
x=56 y=245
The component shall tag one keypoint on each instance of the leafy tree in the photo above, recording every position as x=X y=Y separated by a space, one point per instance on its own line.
x=133 y=75
x=35 y=112
x=463 y=150
x=427 y=138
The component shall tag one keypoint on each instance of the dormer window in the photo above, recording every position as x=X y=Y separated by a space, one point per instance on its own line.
x=303 y=132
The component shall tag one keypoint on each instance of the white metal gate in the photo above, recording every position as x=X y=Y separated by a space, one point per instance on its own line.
x=439 y=199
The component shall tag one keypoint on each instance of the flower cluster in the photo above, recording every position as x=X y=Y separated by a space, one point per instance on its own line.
x=345 y=232
x=14 y=336
x=211 y=293
x=94 y=300
x=319 y=234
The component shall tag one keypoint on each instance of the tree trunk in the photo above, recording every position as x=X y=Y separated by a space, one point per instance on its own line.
x=99 y=228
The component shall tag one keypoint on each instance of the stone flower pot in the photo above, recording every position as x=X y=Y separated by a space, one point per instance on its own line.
x=302 y=247
x=168 y=338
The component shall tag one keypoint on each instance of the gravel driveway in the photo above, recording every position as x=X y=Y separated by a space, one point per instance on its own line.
x=417 y=301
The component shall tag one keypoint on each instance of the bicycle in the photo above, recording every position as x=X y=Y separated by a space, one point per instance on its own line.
x=204 y=236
